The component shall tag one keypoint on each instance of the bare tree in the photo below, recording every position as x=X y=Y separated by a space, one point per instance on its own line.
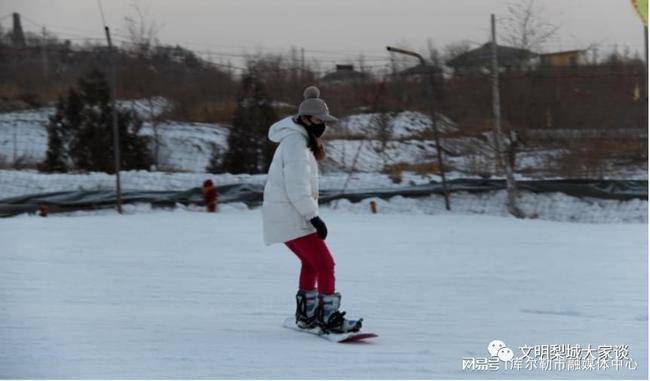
x=381 y=123
x=142 y=29
x=154 y=121
x=361 y=62
x=526 y=26
x=455 y=49
x=435 y=57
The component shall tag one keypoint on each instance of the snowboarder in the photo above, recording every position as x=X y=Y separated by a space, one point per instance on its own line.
x=290 y=213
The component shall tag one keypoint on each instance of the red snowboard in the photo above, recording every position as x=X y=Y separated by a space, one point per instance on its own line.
x=358 y=336
x=352 y=337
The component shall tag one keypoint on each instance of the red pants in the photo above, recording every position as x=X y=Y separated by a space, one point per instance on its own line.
x=317 y=263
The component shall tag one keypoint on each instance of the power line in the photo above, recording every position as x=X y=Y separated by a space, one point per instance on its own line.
x=244 y=55
x=29 y=20
x=101 y=12
x=260 y=48
x=221 y=53
x=330 y=54
x=319 y=55
x=227 y=66
x=327 y=55
x=56 y=27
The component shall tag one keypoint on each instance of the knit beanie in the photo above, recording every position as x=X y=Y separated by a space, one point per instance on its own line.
x=314 y=106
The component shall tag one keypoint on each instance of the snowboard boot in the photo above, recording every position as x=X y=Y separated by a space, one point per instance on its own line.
x=330 y=319
x=306 y=303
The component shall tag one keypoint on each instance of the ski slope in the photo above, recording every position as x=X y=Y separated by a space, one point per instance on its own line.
x=192 y=295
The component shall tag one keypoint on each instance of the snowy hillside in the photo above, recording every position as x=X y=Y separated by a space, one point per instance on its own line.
x=181 y=146
x=188 y=295
x=23 y=137
x=187 y=147
x=407 y=124
x=370 y=156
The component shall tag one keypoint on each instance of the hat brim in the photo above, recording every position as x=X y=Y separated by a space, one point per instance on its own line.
x=327 y=118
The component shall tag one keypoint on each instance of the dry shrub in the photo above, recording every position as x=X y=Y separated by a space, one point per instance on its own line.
x=21 y=162
x=394 y=171
x=479 y=164
x=213 y=111
x=10 y=90
x=4 y=162
x=594 y=158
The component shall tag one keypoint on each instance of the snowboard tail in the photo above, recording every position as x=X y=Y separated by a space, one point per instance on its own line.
x=349 y=337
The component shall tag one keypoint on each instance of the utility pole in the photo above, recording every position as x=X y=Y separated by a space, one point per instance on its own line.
x=116 y=136
x=15 y=150
x=511 y=186
x=17 y=35
x=302 y=64
x=641 y=8
x=116 y=132
x=44 y=53
x=645 y=76
x=434 y=122
x=496 y=96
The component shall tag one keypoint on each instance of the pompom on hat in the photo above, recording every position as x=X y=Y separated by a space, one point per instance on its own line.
x=314 y=106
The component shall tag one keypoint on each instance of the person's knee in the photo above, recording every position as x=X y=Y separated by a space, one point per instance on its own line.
x=308 y=269
x=327 y=265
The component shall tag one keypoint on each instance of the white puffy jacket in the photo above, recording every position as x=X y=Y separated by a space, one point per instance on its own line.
x=291 y=191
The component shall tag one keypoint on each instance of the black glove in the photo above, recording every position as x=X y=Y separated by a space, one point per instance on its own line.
x=320 y=227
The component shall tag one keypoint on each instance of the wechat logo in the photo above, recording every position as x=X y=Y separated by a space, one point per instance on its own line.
x=498 y=348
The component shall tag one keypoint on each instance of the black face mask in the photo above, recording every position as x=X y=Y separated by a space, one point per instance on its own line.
x=317 y=129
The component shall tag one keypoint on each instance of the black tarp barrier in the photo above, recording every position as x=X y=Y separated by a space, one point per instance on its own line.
x=251 y=194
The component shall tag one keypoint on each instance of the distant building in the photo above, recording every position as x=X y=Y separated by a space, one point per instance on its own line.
x=345 y=73
x=569 y=58
x=421 y=71
x=480 y=59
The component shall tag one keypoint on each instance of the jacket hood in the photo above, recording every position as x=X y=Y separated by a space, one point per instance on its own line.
x=285 y=127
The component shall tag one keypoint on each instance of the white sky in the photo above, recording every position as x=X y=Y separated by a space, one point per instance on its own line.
x=330 y=29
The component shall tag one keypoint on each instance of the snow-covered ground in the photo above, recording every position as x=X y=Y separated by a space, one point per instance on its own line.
x=17 y=183
x=547 y=206
x=188 y=147
x=195 y=295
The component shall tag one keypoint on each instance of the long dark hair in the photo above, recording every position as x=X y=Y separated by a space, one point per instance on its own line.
x=313 y=142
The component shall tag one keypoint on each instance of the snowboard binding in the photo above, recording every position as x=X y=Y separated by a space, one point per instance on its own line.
x=337 y=323
x=330 y=319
